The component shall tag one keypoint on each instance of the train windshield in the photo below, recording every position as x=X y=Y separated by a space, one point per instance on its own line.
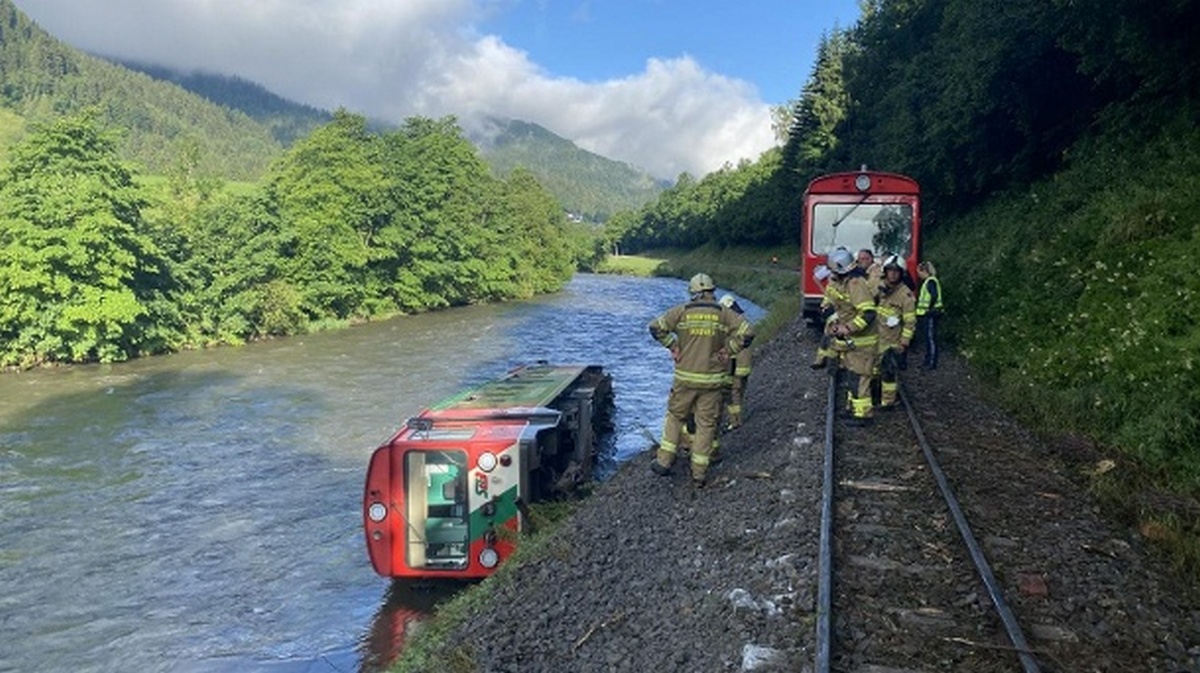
x=436 y=508
x=879 y=227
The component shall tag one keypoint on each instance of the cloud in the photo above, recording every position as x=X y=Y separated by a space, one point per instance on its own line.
x=392 y=59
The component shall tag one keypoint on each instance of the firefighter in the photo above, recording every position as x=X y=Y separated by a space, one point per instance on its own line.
x=739 y=373
x=929 y=310
x=702 y=336
x=897 y=321
x=825 y=352
x=851 y=329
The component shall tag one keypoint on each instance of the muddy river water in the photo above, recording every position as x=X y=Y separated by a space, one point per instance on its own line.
x=201 y=511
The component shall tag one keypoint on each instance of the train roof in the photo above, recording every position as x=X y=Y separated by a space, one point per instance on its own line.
x=523 y=391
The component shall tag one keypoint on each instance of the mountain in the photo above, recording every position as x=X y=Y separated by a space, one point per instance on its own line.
x=587 y=184
x=42 y=78
x=241 y=126
x=287 y=120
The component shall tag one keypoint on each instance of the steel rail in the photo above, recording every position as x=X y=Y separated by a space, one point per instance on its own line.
x=1028 y=663
x=825 y=563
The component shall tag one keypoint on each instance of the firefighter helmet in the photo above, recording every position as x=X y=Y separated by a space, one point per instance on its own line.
x=728 y=301
x=893 y=262
x=840 y=261
x=701 y=282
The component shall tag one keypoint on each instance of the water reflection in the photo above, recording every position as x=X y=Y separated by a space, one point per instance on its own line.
x=404 y=606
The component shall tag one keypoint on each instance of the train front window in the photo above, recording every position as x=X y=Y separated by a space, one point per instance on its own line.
x=879 y=227
x=436 y=513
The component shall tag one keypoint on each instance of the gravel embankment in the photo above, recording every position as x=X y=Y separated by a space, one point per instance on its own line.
x=652 y=575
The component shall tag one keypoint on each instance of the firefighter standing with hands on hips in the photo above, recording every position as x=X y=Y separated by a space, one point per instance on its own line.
x=702 y=336
x=897 y=321
x=849 y=323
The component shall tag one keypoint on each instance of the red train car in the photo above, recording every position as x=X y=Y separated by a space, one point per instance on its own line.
x=877 y=211
x=446 y=495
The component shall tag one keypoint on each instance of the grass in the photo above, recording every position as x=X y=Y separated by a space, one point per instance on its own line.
x=630 y=265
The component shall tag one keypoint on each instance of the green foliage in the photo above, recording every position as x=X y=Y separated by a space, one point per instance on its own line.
x=747 y=204
x=1078 y=296
x=79 y=278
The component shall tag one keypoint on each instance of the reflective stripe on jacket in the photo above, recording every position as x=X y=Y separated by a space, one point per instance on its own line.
x=700 y=329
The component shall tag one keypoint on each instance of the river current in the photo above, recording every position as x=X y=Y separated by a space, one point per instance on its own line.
x=200 y=512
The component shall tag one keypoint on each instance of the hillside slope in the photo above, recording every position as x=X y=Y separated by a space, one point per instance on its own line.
x=42 y=78
x=587 y=184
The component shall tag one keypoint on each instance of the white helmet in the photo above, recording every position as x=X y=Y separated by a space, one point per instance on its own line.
x=728 y=301
x=840 y=261
x=701 y=282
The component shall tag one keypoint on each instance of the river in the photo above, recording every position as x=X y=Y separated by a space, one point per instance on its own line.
x=200 y=512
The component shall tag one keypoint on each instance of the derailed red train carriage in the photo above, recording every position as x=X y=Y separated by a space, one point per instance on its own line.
x=446 y=494
x=878 y=211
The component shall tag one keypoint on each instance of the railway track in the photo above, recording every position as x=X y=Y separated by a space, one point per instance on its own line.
x=892 y=527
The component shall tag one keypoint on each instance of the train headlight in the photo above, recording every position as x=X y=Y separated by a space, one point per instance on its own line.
x=862 y=182
x=487 y=461
x=488 y=558
x=377 y=512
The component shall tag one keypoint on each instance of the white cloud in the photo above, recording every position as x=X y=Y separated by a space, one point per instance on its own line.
x=396 y=58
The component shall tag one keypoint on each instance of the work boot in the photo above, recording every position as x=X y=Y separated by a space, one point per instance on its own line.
x=659 y=469
x=700 y=483
x=859 y=421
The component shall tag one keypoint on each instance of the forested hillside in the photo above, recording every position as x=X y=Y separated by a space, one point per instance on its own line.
x=288 y=121
x=1057 y=148
x=587 y=184
x=42 y=79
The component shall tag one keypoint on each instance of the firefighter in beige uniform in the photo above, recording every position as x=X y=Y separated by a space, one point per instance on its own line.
x=702 y=336
x=897 y=322
x=739 y=372
x=850 y=323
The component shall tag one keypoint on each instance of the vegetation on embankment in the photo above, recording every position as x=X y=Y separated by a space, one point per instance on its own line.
x=1074 y=300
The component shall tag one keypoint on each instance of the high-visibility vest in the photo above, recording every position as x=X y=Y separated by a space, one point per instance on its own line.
x=930 y=301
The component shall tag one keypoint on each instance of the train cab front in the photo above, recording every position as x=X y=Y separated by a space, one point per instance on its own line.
x=440 y=503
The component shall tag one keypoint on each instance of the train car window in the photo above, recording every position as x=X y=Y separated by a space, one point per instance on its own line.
x=880 y=227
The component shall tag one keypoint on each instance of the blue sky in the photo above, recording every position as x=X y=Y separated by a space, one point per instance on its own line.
x=665 y=85
x=769 y=43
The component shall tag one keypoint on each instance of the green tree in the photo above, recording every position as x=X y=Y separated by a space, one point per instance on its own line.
x=79 y=278
x=330 y=192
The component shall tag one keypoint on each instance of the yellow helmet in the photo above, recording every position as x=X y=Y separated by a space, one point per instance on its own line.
x=701 y=282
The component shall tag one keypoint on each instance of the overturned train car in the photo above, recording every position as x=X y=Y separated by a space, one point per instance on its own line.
x=447 y=494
